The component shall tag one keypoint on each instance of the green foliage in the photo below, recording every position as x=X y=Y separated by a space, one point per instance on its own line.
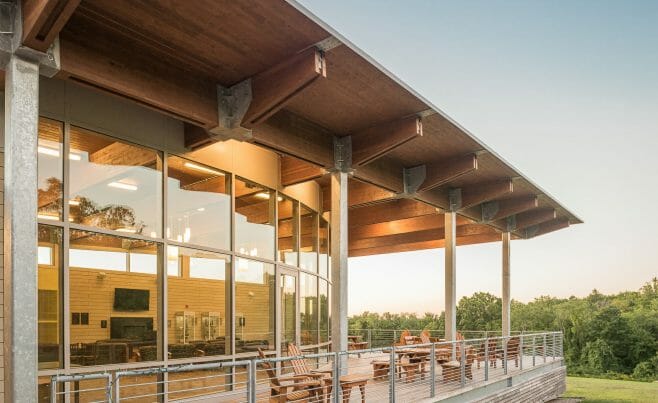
x=614 y=336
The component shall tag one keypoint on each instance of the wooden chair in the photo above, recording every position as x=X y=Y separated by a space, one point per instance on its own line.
x=452 y=369
x=403 y=338
x=492 y=355
x=290 y=388
x=514 y=350
x=425 y=337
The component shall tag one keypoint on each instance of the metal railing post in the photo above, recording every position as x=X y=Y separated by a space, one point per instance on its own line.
x=463 y=363
x=521 y=352
x=504 y=355
x=117 y=394
x=486 y=359
x=395 y=338
x=336 y=379
x=391 y=376
x=432 y=370
x=251 y=381
x=534 y=349
x=544 y=348
x=370 y=338
x=553 y=348
x=53 y=390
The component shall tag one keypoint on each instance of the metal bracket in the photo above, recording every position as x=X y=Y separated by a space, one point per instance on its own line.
x=232 y=104
x=343 y=154
x=412 y=178
x=489 y=210
x=510 y=223
x=454 y=199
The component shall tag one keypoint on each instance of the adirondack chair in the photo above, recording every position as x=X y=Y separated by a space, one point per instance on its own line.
x=452 y=369
x=403 y=338
x=290 y=388
x=492 y=355
x=514 y=350
x=425 y=337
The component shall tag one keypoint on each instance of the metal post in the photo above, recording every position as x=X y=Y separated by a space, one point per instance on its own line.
x=20 y=220
x=450 y=277
x=486 y=359
x=507 y=240
x=338 y=246
x=433 y=370
x=544 y=348
x=463 y=363
x=505 y=354
x=395 y=336
x=521 y=353
x=370 y=338
x=391 y=376
x=117 y=387
x=336 y=379
x=534 y=342
x=553 y=347
x=53 y=390
x=251 y=381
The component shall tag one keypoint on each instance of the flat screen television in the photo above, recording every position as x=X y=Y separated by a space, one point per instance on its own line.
x=129 y=300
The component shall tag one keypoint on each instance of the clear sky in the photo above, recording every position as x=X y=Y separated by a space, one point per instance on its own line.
x=567 y=91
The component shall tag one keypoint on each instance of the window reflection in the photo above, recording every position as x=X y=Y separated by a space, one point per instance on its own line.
x=308 y=222
x=113 y=300
x=324 y=248
x=49 y=297
x=197 y=304
x=50 y=169
x=254 y=220
x=254 y=305
x=323 y=301
x=288 y=231
x=199 y=204
x=114 y=185
x=308 y=287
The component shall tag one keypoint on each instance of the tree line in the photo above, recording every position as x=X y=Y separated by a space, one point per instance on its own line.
x=614 y=336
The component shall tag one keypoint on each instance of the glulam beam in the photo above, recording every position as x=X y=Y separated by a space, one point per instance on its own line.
x=43 y=20
x=484 y=192
x=398 y=209
x=418 y=236
x=546 y=227
x=375 y=142
x=294 y=170
x=501 y=209
x=360 y=194
x=531 y=218
x=442 y=172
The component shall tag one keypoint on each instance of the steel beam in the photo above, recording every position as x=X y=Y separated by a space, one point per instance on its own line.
x=507 y=240
x=20 y=233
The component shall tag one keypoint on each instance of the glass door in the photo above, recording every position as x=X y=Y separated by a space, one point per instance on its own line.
x=288 y=309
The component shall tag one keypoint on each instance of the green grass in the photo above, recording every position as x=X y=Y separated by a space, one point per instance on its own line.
x=608 y=391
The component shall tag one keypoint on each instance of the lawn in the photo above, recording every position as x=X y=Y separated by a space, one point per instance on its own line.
x=607 y=391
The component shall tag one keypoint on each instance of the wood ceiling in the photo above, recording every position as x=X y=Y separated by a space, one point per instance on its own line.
x=310 y=86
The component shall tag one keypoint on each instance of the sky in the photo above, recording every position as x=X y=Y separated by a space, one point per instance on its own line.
x=567 y=92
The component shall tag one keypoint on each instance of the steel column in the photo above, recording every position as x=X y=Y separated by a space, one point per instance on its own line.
x=339 y=248
x=20 y=234
x=450 y=276
x=506 y=283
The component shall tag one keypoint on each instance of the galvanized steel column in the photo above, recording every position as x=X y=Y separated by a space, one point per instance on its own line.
x=339 y=249
x=20 y=232
x=450 y=275
x=506 y=283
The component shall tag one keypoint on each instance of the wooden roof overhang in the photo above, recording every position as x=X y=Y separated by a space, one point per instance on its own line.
x=309 y=87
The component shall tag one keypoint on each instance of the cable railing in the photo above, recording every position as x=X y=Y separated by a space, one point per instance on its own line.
x=411 y=372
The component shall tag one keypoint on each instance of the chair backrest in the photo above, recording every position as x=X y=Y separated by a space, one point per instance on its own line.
x=425 y=337
x=513 y=345
x=269 y=370
x=299 y=365
x=459 y=337
x=403 y=336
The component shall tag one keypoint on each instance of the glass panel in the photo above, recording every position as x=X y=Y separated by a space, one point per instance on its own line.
x=308 y=257
x=288 y=310
x=49 y=297
x=254 y=306
x=324 y=310
x=198 y=304
x=324 y=248
x=119 y=303
x=308 y=311
x=114 y=185
x=288 y=232
x=254 y=220
x=198 y=204
x=50 y=169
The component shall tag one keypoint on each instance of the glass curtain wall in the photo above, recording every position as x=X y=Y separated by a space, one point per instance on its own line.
x=119 y=223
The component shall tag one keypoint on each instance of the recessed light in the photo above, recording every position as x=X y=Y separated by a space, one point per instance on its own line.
x=52 y=217
x=201 y=209
x=201 y=168
x=122 y=185
x=48 y=151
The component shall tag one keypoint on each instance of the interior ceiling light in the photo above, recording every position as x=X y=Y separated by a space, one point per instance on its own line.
x=55 y=153
x=201 y=168
x=122 y=185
